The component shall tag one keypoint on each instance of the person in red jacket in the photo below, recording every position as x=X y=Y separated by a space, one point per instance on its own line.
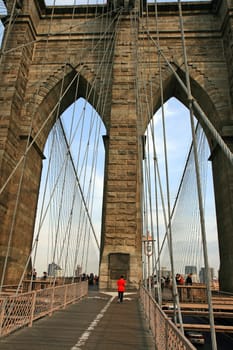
x=121 y=289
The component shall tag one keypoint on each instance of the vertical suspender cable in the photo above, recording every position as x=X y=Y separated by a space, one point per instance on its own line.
x=169 y=228
x=178 y=193
x=77 y=179
x=200 y=199
x=23 y=161
x=147 y=189
x=29 y=146
x=217 y=137
x=146 y=196
x=21 y=172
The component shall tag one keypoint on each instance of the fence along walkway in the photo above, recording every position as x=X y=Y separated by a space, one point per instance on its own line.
x=21 y=310
x=96 y=322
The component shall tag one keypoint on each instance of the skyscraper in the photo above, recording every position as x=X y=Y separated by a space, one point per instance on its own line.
x=190 y=269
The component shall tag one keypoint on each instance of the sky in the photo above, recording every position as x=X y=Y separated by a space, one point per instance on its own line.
x=178 y=132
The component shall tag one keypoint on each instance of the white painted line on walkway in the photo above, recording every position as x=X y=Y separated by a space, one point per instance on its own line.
x=86 y=334
x=116 y=293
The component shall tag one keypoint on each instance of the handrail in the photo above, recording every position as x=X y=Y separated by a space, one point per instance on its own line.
x=21 y=310
x=165 y=333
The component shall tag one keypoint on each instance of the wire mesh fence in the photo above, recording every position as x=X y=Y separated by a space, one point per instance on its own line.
x=21 y=310
x=165 y=333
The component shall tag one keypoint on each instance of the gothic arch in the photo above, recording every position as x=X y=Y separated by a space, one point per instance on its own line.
x=216 y=107
x=210 y=65
x=67 y=85
x=204 y=93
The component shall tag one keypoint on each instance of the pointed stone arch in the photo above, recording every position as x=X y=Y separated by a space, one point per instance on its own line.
x=209 y=45
x=48 y=100
x=56 y=94
x=216 y=106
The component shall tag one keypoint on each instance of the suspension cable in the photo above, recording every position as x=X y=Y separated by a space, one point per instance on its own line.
x=24 y=157
x=217 y=137
x=77 y=179
x=169 y=227
x=40 y=130
x=200 y=200
x=93 y=85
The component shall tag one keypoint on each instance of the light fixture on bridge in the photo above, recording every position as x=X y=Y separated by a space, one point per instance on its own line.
x=148 y=242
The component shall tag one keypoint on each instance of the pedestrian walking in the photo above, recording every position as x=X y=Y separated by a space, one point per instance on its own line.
x=121 y=289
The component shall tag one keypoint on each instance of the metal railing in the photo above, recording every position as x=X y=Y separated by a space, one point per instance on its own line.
x=21 y=310
x=165 y=333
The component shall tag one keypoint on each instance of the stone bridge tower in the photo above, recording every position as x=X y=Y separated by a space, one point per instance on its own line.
x=30 y=87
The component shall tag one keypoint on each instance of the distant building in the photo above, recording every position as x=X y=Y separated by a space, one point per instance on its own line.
x=165 y=272
x=193 y=270
x=54 y=270
x=190 y=269
x=202 y=274
x=78 y=271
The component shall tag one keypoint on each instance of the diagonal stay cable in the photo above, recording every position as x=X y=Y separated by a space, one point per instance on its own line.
x=199 y=190
x=77 y=179
x=41 y=129
x=214 y=132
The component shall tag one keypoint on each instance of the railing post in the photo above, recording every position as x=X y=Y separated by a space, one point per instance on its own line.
x=52 y=302
x=2 y=314
x=155 y=322
x=32 y=308
x=166 y=334
x=84 y=289
x=65 y=296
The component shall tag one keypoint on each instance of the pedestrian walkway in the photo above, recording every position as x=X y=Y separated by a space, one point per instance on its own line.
x=96 y=322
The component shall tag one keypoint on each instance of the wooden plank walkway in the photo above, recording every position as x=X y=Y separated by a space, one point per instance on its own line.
x=206 y=327
x=96 y=322
x=201 y=306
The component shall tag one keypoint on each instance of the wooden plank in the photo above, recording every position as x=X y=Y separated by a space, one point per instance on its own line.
x=223 y=301
x=218 y=314
x=219 y=297
x=206 y=327
x=199 y=306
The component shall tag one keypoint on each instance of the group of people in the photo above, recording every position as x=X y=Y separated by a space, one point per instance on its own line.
x=121 y=283
x=180 y=279
x=92 y=279
x=188 y=282
x=33 y=275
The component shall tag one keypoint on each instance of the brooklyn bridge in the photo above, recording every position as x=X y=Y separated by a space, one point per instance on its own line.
x=116 y=138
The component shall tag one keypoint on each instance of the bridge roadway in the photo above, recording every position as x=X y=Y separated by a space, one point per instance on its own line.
x=96 y=322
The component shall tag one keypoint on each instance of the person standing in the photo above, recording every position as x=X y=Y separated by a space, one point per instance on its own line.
x=121 y=289
x=33 y=277
x=44 y=278
x=179 y=282
x=34 y=274
x=189 y=282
